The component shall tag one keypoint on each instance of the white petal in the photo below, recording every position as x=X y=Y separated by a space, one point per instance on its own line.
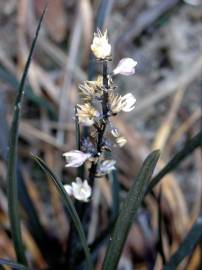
x=130 y=101
x=72 y=153
x=68 y=189
x=87 y=188
x=125 y=67
x=79 y=181
x=75 y=158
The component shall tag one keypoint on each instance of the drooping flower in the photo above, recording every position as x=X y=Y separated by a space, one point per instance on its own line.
x=79 y=190
x=106 y=166
x=125 y=67
x=75 y=158
x=121 y=141
x=86 y=114
x=100 y=46
x=129 y=102
x=121 y=103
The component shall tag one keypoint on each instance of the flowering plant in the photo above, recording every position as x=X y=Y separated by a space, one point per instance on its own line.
x=101 y=102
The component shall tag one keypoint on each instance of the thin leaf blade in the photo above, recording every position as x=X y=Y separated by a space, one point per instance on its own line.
x=71 y=209
x=193 y=236
x=128 y=211
x=115 y=194
x=12 y=159
x=194 y=143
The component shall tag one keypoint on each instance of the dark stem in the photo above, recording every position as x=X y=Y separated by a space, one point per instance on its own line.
x=103 y=122
x=82 y=208
x=105 y=92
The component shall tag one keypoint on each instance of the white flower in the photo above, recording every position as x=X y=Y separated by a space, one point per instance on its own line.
x=121 y=103
x=79 y=190
x=125 y=67
x=107 y=166
x=129 y=102
x=75 y=158
x=115 y=132
x=121 y=141
x=100 y=46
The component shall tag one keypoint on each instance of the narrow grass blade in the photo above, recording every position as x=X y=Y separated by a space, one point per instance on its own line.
x=71 y=209
x=12 y=264
x=128 y=212
x=160 y=248
x=12 y=160
x=35 y=227
x=190 y=241
x=115 y=194
x=195 y=142
x=4 y=128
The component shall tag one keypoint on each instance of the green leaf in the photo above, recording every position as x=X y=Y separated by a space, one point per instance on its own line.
x=160 y=248
x=12 y=160
x=190 y=241
x=12 y=264
x=195 y=142
x=115 y=194
x=128 y=212
x=70 y=207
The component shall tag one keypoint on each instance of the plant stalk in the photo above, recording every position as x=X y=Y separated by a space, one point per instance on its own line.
x=103 y=124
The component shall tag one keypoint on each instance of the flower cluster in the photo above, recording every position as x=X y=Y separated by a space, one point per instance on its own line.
x=100 y=103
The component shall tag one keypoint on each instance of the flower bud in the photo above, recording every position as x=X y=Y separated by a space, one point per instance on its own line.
x=125 y=67
x=75 y=158
x=100 y=46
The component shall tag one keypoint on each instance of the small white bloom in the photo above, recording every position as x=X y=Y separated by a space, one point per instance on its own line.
x=107 y=166
x=79 y=190
x=115 y=132
x=121 y=141
x=100 y=46
x=121 y=103
x=75 y=158
x=129 y=102
x=125 y=67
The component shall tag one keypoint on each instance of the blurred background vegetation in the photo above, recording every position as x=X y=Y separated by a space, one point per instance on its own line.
x=165 y=37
